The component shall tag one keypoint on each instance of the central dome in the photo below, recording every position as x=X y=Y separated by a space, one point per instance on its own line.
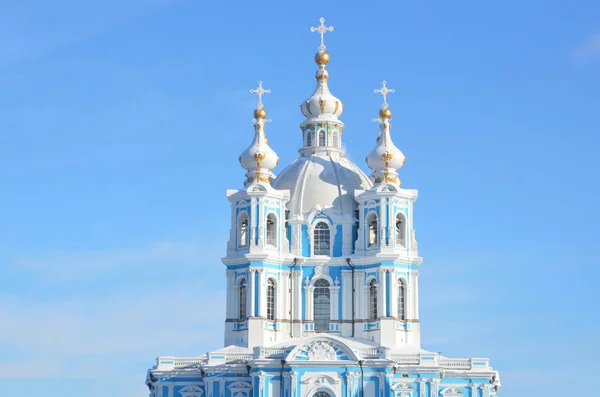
x=324 y=181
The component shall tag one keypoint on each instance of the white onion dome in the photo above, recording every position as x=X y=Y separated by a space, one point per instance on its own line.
x=385 y=159
x=259 y=159
x=322 y=105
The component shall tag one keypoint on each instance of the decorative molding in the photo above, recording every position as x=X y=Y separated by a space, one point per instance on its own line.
x=452 y=392
x=321 y=351
x=191 y=391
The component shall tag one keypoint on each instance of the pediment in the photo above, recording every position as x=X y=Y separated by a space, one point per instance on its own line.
x=452 y=392
x=322 y=349
x=191 y=391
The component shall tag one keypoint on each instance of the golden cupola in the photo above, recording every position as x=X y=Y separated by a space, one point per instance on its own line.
x=259 y=159
x=385 y=159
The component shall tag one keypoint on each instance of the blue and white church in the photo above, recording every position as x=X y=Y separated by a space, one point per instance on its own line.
x=322 y=272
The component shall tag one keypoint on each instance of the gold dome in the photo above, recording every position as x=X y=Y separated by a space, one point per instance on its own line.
x=260 y=113
x=385 y=113
x=322 y=58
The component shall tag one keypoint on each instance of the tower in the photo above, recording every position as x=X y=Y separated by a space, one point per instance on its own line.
x=322 y=270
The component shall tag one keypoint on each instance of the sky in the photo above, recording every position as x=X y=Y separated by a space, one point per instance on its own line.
x=120 y=127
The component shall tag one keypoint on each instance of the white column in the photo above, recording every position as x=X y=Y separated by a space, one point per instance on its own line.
x=359 y=304
x=334 y=292
x=308 y=291
x=262 y=293
x=230 y=301
x=393 y=293
x=252 y=221
x=381 y=222
x=381 y=293
x=297 y=295
x=346 y=295
x=261 y=222
x=251 y=287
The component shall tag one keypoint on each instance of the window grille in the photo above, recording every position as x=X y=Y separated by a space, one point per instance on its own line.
x=270 y=299
x=322 y=311
x=401 y=300
x=373 y=300
x=321 y=138
x=321 y=239
x=243 y=300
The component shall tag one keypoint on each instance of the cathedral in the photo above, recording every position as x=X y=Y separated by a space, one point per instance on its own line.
x=322 y=270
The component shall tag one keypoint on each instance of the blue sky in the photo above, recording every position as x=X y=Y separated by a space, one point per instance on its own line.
x=120 y=128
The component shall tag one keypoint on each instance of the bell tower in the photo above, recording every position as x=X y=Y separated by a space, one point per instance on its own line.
x=386 y=239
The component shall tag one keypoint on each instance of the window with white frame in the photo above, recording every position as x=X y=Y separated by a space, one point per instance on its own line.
x=321 y=239
x=322 y=393
x=243 y=299
x=243 y=238
x=372 y=229
x=400 y=229
x=270 y=299
x=309 y=135
x=321 y=137
x=336 y=139
x=322 y=311
x=272 y=230
x=373 y=300
x=401 y=300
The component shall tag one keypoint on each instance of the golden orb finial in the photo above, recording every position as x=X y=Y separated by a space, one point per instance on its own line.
x=385 y=113
x=260 y=113
x=322 y=58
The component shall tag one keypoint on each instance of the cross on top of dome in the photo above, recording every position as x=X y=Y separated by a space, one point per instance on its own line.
x=260 y=91
x=322 y=29
x=384 y=90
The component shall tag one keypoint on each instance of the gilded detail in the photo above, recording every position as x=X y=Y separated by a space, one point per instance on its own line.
x=337 y=105
x=387 y=157
x=322 y=104
x=308 y=107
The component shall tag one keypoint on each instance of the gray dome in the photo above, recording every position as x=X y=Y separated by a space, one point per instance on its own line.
x=326 y=181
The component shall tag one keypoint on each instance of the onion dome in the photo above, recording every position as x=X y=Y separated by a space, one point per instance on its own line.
x=259 y=159
x=385 y=159
x=322 y=105
x=322 y=130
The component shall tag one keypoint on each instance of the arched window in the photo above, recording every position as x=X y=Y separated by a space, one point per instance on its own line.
x=243 y=237
x=373 y=300
x=243 y=299
x=336 y=139
x=309 y=134
x=321 y=237
x=322 y=393
x=270 y=299
x=322 y=138
x=272 y=230
x=400 y=229
x=322 y=310
x=401 y=300
x=372 y=229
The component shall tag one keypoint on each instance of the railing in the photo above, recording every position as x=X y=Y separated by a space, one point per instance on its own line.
x=188 y=362
x=274 y=352
x=369 y=353
x=406 y=359
x=238 y=357
x=455 y=363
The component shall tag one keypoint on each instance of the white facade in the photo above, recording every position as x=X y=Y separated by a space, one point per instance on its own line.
x=322 y=272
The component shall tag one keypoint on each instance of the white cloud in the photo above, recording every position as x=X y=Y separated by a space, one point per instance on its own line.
x=591 y=49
